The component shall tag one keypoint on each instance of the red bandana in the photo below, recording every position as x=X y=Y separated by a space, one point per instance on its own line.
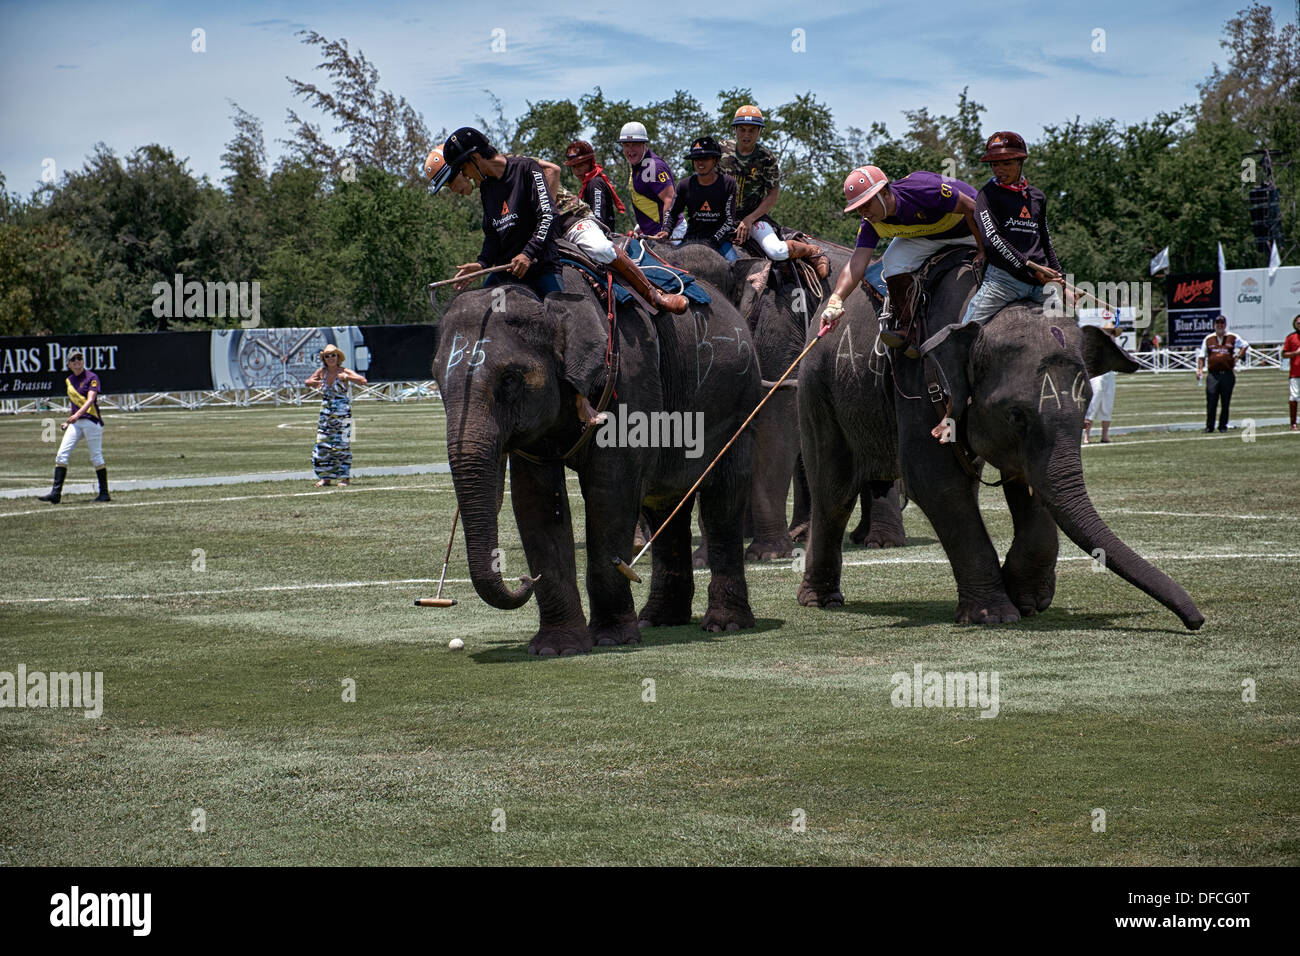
x=599 y=170
x=1019 y=187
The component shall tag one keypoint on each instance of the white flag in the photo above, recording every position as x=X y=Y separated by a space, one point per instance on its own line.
x=1161 y=261
x=1222 y=267
x=1274 y=261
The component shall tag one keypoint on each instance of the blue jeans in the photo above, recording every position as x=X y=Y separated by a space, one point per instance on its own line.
x=727 y=251
x=541 y=278
x=998 y=288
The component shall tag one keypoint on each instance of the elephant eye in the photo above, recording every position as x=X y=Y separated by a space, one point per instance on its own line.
x=1017 y=417
x=511 y=385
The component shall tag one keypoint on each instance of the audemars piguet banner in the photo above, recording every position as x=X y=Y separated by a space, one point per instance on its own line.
x=32 y=366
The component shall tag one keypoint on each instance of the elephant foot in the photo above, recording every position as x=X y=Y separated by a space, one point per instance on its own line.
x=882 y=538
x=799 y=531
x=860 y=534
x=770 y=550
x=611 y=635
x=700 y=557
x=560 y=641
x=996 y=611
x=728 y=607
x=811 y=597
x=664 y=613
x=1028 y=595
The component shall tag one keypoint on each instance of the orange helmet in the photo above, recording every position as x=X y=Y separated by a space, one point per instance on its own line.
x=748 y=116
x=434 y=162
x=579 y=151
x=861 y=184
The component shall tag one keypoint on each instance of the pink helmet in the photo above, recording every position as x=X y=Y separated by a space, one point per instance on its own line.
x=861 y=184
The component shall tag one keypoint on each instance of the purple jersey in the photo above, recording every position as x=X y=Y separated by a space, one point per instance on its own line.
x=927 y=207
x=79 y=387
x=646 y=181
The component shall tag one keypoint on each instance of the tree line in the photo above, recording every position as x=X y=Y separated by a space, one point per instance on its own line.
x=342 y=228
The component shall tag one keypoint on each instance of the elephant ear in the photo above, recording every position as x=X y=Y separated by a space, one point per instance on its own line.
x=949 y=349
x=1101 y=354
x=581 y=333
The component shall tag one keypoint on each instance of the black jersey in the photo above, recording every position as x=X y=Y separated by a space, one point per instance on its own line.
x=710 y=210
x=517 y=214
x=600 y=197
x=1013 y=225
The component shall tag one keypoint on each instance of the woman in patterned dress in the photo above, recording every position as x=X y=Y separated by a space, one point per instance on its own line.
x=332 y=456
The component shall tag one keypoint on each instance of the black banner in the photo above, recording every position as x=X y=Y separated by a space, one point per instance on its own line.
x=1188 y=328
x=1192 y=290
x=36 y=366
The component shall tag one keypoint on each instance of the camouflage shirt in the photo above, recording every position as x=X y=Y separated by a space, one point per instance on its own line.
x=755 y=175
x=567 y=204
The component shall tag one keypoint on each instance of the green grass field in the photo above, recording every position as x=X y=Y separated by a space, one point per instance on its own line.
x=224 y=686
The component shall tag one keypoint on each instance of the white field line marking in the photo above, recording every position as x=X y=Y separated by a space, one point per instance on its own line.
x=1199 y=514
x=56 y=509
x=1235 y=434
x=766 y=566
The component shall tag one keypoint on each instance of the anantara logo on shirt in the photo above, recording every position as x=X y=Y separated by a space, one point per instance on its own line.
x=705 y=207
x=1024 y=212
x=505 y=208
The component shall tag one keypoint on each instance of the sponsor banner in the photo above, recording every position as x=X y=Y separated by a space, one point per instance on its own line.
x=36 y=366
x=1188 y=328
x=1192 y=290
x=1259 y=308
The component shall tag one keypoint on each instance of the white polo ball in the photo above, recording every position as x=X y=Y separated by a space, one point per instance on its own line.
x=455 y=644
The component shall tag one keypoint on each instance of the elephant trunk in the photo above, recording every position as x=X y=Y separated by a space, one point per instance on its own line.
x=1066 y=497
x=477 y=474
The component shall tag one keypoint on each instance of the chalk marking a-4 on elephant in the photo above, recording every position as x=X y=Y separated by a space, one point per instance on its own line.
x=1018 y=394
x=513 y=399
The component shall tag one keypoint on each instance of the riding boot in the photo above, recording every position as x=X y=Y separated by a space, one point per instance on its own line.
x=632 y=274
x=102 y=475
x=56 y=492
x=816 y=258
x=896 y=319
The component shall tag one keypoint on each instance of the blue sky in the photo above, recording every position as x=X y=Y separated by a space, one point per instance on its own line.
x=73 y=74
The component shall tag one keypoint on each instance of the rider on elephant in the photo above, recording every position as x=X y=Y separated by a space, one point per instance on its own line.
x=708 y=199
x=922 y=213
x=758 y=186
x=575 y=222
x=518 y=213
x=649 y=179
x=1012 y=219
x=596 y=189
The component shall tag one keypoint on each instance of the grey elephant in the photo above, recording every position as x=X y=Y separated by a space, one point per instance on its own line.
x=778 y=316
x=1019 y=389
x=510 y=366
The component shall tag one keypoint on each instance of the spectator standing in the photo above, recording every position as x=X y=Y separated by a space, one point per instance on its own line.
x=1103 y=397
x=332 y=456
x=1219 y=353
x=1291 y=350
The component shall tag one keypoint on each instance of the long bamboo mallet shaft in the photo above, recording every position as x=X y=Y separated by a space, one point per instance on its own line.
x=626 y=569
x=470 y=275
x=441 y=601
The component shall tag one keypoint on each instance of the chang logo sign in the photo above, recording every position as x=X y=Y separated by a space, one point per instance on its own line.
x=1248 y=291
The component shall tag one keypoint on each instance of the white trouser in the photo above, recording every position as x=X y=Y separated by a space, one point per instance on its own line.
x=94 y=435
x=588 y=236
x=908 y=253
x=1103 y=398
x=774 y=246
x=1294 y=385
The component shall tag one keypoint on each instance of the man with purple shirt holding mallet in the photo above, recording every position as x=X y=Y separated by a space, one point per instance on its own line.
x=84 y=422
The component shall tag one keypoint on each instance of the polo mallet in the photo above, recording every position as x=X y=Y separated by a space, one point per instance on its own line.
x=626 y=569
x=433 y=286
x=441 y=601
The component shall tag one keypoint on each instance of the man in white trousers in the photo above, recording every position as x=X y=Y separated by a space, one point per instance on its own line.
x=1103 y=397
x=84 y=422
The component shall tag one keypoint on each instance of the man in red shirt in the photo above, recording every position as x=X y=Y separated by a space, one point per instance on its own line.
x=1291 y=350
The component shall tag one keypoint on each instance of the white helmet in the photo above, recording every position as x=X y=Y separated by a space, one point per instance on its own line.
x=633 y=132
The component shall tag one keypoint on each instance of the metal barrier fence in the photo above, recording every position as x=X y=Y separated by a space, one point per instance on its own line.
x=1161 y=360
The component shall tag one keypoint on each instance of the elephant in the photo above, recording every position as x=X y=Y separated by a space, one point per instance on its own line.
x=1019 y=388
x=510 y=366
x=779 y=318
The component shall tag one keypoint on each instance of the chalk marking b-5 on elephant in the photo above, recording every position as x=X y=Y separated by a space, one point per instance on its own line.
x=509 y=380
